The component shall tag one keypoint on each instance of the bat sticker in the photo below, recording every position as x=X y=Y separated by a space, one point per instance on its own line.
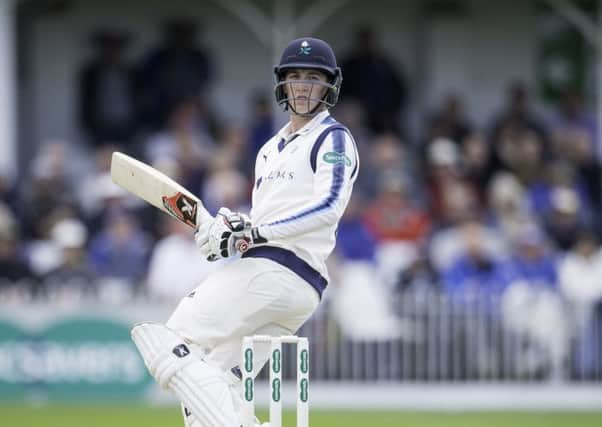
x=182 y=207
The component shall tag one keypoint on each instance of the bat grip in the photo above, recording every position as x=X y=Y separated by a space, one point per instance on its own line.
x=203 y=216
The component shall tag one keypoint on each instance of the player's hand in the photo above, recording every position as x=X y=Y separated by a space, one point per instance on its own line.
x=249 y=237
x=201 y=237
x=215 y=233
x=252 y=236
x=226 y=234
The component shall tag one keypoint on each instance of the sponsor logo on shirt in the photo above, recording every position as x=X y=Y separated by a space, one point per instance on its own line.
x=334 y=158
x=273 y=175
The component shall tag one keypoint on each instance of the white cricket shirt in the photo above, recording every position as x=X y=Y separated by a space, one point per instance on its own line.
x=303 y=182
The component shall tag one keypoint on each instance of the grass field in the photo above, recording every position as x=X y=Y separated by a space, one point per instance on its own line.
x=142 y=416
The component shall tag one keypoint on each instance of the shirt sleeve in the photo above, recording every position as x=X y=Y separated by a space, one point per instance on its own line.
x=337 y=165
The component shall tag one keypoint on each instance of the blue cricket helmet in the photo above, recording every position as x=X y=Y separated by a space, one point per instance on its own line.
x=309 y=53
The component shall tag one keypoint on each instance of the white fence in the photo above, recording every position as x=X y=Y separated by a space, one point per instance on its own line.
x=474 y=338
x=432 y=338
x=449 y=354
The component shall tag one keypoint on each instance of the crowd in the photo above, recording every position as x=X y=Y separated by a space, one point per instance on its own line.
x=508 y=211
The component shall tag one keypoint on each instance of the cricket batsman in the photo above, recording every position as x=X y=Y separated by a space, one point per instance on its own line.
x=303 y=181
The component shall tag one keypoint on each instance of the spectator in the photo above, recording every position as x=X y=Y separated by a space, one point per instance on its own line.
x=358 y=282
x=472 y=284
x=90 y=189
x=226 y=187
x=107 y=110
x=185 y=139
x=447 y=245
x=73 y=279
x=475 y=162
x=181 y=68
x=43 y=253
x=531 y=305
x=233 y=144
x=580 y=281
x=452 y=197
x=10 y=193
x=387 y=156
x=261 y=125
x=176 y=251
x=520 y=152
x=575 y=139
x=120 y=251
x=563 y=221
x=509 y=208
x=419 y=278
x=16 y=277
x=358 y=287
x=448 y=122
x=518 y=117
x=531 y=261
x=110 y=199
x=573 y=124
x=392 y=216
x=474 y=271
x=559 y=175
x=51 y=189
x=375 y=82
x=398 y=225
x=355 y=242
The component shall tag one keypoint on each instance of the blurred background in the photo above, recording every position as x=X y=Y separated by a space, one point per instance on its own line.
x=468 y=268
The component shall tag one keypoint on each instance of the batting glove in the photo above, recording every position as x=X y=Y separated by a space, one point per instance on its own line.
x=225 y=235
x=201 y=237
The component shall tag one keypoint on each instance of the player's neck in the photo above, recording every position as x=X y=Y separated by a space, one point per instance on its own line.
x=297 y=122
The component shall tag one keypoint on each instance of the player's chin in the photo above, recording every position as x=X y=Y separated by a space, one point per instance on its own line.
x=303 y=107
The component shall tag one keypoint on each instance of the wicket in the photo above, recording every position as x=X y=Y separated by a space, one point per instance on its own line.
x=275 y=362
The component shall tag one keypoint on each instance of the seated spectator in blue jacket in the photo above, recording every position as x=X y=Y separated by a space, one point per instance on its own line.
x=121 y=250
x=474 y=273
x=532 y=308
x=355 y=242
x=531 y=261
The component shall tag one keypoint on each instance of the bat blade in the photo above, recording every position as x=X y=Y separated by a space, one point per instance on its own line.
x=157 y=189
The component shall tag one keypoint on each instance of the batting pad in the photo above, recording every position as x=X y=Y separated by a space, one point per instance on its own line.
x=204 y=389
x=189 y=419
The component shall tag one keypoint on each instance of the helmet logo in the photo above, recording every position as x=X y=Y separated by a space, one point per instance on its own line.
x=305 y=48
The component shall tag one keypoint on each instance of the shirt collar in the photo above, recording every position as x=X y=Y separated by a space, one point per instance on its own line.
x=309 y=126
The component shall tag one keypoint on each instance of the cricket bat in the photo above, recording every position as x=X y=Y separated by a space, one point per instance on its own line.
x=158 y=189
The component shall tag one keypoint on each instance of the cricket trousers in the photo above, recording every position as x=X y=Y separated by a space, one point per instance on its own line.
x=249 y=296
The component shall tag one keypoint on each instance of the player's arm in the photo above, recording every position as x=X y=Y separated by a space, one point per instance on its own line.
x=336 y=165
